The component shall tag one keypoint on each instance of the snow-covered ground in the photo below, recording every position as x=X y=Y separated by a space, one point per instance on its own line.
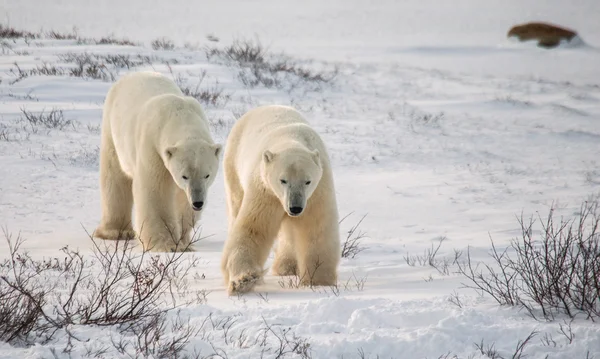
x=438 y=127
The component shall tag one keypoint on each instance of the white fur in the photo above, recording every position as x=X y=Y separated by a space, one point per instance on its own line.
x=152 y=136
x=267 y=145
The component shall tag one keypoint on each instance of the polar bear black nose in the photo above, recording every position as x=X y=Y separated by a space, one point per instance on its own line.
x=296 y=210
x=197 y=205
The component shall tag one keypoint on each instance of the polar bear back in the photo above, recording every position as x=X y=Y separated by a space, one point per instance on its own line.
x=268 y=128
x=146 y=109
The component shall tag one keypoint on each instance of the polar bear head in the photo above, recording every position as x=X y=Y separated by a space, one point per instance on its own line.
x=193 y=164
x=292 y=174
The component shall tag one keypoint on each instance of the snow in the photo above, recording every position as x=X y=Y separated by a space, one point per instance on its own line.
x=437 y=125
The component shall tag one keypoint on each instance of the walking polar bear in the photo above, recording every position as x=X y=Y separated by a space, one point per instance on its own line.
x=156 y=151
x=279 y=183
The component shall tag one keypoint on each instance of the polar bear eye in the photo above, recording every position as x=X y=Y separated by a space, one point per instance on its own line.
x=283 y=181
x=184 y=177
x=206 y=176
x=307 y=183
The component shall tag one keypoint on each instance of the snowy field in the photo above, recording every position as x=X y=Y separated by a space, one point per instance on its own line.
x=439 y=128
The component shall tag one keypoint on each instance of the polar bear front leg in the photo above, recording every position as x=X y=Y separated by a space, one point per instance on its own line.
x=285 y=262
x=249 y=243
x=187 y=219
x=156 y=223
x=317 y=249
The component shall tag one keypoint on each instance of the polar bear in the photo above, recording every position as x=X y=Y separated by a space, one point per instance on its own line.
x=279 y=183
x=156 y=151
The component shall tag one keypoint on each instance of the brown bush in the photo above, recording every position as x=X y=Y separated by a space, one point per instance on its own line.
x=547 y=35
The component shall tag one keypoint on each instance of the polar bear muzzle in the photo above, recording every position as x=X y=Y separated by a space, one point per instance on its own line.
x=296 y=204
x=197 y=199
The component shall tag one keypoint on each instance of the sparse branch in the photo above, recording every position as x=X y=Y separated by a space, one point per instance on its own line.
x=351 y=246
x=555 y=273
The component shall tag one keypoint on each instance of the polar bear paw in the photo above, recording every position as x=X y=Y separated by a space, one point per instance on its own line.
x=114 y=234
x=244 y=283
x=170 y=247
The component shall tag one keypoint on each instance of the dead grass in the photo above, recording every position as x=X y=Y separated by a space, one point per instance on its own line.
x=112 y=40
x=214 y=95
x=44 y=69
x=84 y=65
x=260 y=67
x=9 y=32
x=430 y=258
x=53 y=119
x=56 y=35
x=352 y=246
x=162 y=43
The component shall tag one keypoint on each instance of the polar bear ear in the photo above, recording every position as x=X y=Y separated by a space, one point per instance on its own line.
x=169 y=152
x=218 y=148
x=316 y=157
x=268 y=156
